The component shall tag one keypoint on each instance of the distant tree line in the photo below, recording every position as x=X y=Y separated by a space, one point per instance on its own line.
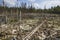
x=13 y=13
x=30 y=9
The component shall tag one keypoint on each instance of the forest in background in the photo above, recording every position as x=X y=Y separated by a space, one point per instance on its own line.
x=13 y=13
x=30 y=9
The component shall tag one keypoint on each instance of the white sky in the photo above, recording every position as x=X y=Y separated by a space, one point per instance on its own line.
x=37 y=3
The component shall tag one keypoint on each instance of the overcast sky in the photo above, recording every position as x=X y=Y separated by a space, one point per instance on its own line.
x=36 y=3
